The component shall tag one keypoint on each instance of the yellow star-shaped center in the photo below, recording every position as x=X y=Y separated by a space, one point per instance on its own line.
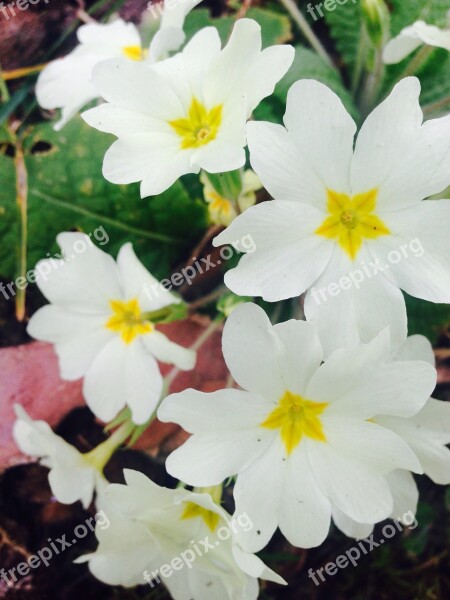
x=200 y=126
x=128 y=320
x=193 y=511
x=296 y=417
x=352 y=220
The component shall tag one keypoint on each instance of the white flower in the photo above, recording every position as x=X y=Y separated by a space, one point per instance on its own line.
x=73 y=476
x=223 y=210
x=301 y=439
x=188 y=112
x=342 y=214
x=412 y=37
x=100 y=321
x=427 y=433
x=152 y=527
x=66 y=83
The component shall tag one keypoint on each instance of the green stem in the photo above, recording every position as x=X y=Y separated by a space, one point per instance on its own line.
x=306 y=29
x=418 y=61
x=360 y=59
x=101 y=454
x=372 y=87
x=5 y=97
x=108 y=220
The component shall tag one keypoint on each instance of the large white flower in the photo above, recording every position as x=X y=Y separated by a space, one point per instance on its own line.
x=100 y=321
x=348 y=225
x=66 y=83
x=178 y=537
x=73 y=476
x=427 y=433
x=301 y=437
x=412 y=37
x=188 y=112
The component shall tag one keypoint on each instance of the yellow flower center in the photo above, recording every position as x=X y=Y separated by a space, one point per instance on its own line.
x=128 y=320
x=134 y=52
x=200 y=126
x=193 y=511
x=352 y=220
x=296 y=417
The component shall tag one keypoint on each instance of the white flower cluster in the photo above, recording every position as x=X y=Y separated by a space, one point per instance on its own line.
x=334 y=413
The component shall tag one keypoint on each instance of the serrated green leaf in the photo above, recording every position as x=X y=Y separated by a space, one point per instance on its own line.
x=345 y=27
x=67 y=190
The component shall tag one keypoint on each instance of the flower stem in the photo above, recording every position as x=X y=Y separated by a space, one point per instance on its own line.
x=22 y=204
x=360 y=58
x=101 y=454
x=22 y=72
x=306 y=29
x=371 y=89
x=414 y=65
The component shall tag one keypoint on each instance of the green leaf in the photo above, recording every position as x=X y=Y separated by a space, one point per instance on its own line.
x=427 y=318
x=276 y=28
x=405 y=13
x=67 y=190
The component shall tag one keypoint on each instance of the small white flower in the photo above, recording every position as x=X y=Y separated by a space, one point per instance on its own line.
x=339 y=210
x=151 y=526
x=66 y=83
x=412 y=37
x=100 y=322
x=188 y=112
x=301 y=439
x=223 y=210
x=73 y=476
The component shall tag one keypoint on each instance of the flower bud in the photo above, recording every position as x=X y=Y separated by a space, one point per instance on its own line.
x=376 y=18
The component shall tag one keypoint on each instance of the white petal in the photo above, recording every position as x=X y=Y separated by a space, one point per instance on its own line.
x=395 y=155
x=405 y=493
x=284 y=172
x=85 y=281
x=165 y=41
x=301 y=354
x=257 y=493
x=349 y=526
x=34 y=438
x=109 y=35
x=352 y=487
x=176 y=11
x=121 y=121
x=209 y=458
x=350 y=304
x=219 y=156
x=123 y=374
x=228 y=409
x=304 y=514
x=416 y=347
x=378 y=448
x=154 y=158
x=251 y=351
x=243 y=66
x=168 y=352
x=285 y=257
x=78 y=337
x=322 y=130
x=401 y=46
x=136 y=86
x=254 y=566
x=400 y=389
x=70 y=484
x=418 y=251
x=138 y=283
